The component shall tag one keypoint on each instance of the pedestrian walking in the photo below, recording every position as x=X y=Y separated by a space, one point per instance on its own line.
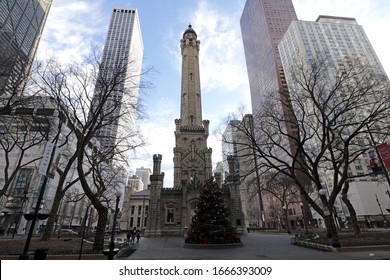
x=128 y=236
x=133 y=235
x=138 y=235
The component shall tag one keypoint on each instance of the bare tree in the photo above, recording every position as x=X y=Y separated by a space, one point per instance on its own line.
x=100 y=112
x=319 y=128
x=283 y=189
x=22 y=132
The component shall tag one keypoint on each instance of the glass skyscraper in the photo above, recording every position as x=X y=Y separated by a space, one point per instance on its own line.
x=263 y=24
x=21 y=25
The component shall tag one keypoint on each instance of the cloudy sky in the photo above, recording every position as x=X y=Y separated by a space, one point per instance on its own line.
x=73 y=25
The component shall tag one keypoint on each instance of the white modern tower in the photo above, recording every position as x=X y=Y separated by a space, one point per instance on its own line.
x=123 y=51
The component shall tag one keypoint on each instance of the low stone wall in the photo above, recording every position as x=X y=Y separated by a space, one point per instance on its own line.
x=60 y=257
x=324 y=247
x=213 y=246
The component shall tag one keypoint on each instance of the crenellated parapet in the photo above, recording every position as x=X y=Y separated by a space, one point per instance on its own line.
x=157 y=164
x=206 y=124
x=177 y=122
x=177 y=191
x=157 y=178
x=192 y=128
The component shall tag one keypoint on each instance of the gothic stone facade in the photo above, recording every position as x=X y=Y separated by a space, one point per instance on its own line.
x=171 y=209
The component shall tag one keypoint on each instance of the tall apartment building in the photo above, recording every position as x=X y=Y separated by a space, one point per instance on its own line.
x=334 y=38
x=144 y=174
x=21 y=26
x=121 y=63
x=338 y=40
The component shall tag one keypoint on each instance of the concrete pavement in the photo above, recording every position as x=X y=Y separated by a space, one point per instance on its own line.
x=256 y=246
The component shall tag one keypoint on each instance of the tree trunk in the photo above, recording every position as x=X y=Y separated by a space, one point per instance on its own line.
x=352 y=212
x=53 y=214
x=331 y=230
x=328 y=226
x=98 y=244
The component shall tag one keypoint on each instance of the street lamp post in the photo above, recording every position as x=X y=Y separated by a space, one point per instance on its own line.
x=112 y=252
x=24 y=199
x=304 y=218
x=388 y=193
x=84 y=227
x=73 y=205
x=44 y=170
x=334 y=238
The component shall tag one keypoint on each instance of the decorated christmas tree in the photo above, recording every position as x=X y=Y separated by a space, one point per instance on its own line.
x=210 y=224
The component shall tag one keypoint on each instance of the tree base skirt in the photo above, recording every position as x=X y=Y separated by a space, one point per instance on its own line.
x=213 y=246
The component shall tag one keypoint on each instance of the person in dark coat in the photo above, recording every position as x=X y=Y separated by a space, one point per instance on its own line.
x=138 y=235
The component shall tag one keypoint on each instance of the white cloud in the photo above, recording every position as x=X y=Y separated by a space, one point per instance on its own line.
x=159 y=129
x=222 y=61
x=71 y=27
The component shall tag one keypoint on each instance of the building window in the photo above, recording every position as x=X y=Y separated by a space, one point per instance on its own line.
x=45 y=112
x=24 y=111
x=23 y=178
x=132 y=210
x=138 y=221
x=139 y=209
x=170 y=217
x=291 y=211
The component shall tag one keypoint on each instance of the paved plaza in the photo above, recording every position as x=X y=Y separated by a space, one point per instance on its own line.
x=256 y=246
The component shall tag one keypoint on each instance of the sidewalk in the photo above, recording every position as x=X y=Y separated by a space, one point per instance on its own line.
x=256 y=246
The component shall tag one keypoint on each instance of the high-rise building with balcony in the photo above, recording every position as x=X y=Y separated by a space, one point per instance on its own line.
x=335 y=39
x=332 y=45
x=21 y=26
